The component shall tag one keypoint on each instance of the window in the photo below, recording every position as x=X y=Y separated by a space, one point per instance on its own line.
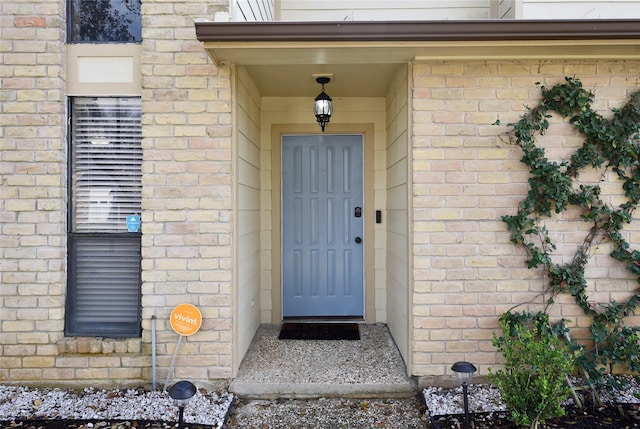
x=104 y=21
x=103 y=296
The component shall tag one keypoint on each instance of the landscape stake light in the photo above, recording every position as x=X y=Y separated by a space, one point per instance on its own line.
x=181 y=393
x=464 y=371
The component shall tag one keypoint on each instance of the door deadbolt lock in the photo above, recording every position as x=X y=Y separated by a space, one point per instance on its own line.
x=358 y=212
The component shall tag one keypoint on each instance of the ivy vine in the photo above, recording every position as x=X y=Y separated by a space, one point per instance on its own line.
x=610 y=145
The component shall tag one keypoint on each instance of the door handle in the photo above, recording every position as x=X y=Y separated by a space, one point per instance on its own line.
x=358 y=240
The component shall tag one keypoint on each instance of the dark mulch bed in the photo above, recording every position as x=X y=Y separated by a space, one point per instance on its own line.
x=625 y=416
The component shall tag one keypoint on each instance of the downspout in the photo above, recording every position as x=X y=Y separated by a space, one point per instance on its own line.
x=153 y=352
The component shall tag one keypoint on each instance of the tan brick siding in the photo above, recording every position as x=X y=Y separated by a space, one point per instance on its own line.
x=466 y=176
x=32 y=193
x=187 y=188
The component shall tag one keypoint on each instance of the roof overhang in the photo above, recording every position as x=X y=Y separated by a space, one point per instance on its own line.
x=404 y=41
x=283 y=49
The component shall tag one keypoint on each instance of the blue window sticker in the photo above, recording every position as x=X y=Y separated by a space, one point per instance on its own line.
x=133 y=223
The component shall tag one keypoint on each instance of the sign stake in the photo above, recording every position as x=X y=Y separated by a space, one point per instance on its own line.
x=185 y=319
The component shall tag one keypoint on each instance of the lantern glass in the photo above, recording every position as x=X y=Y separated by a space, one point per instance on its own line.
x=323 y=107
x=465 y=377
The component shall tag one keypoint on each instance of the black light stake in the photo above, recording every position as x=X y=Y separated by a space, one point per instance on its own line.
x=181 y=393
x=464 y=371
x=322 y=107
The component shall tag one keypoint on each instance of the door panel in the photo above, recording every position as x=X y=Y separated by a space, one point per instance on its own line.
x=322 y=250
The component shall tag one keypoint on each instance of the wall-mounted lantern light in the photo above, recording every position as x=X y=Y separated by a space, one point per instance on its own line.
x=464 y=371
x=322 y=107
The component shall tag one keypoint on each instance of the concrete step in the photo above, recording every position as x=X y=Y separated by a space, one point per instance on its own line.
x=322 y=390
x=371 y=367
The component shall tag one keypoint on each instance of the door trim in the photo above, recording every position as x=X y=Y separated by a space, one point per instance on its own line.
x=277 y=131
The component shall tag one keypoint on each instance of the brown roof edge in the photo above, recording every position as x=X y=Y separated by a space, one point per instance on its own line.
x=389 y=31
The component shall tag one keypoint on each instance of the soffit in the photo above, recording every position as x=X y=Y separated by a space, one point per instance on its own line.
x=281 y=57
x=348 y=80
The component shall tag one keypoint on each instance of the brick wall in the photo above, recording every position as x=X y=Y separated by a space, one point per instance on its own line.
x=32 y=195
x=466 y=176
x=187 y=188
x=186 y=220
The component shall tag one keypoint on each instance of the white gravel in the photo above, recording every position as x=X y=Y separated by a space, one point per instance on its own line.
x=208 y=408
x=486 y=398
x=482 y=398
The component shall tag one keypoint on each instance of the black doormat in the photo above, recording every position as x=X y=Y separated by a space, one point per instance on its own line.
x=319 y=331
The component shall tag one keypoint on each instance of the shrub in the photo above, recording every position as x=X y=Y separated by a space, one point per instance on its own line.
x=532 y=382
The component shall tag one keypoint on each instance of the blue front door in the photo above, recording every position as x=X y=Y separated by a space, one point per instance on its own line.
x=322 y=226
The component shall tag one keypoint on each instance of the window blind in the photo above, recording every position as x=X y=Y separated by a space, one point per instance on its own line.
x=106 y=163
x=105 y=279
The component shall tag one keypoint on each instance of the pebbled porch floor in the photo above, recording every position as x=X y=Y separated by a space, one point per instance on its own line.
x=369 y=368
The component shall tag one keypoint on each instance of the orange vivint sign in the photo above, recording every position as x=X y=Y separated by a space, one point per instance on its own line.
x=185 y=319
